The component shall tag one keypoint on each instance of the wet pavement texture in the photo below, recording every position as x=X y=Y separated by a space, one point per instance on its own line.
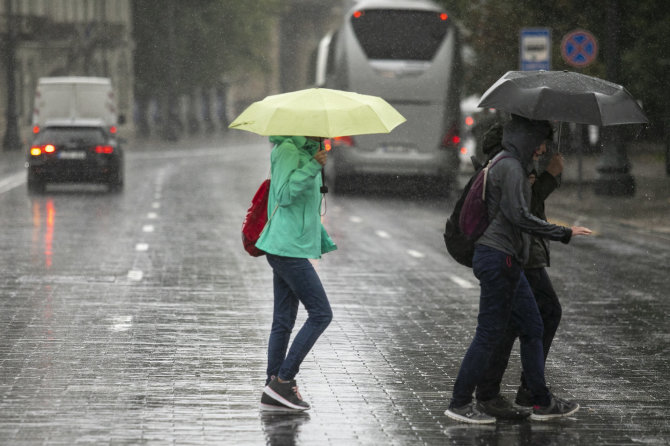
x=137 y=318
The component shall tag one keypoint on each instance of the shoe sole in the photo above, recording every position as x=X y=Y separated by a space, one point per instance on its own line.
x=462 y=419
x=277 y=409
x=275 y=396
x=540 y=417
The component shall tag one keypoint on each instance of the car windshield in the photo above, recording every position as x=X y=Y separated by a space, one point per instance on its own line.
x=64 y=135
x=400 y=34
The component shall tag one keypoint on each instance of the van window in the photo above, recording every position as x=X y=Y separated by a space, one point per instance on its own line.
x=65 y=135
x=400 y=34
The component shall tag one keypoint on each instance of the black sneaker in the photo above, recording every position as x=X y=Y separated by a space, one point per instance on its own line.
x=268 y=404
x=469 y=414
x=557 y=408
x=524 y=397
x=499 y=407
x=286 y=394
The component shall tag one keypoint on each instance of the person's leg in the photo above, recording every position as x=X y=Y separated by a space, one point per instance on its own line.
x=498 y=275
x=527 y=317
x=305 y=284
x=489 y=386
x=549 y=306
x=283 y=320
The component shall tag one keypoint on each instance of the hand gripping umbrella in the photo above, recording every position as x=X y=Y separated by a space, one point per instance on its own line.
x=319 y=112
x=563 y=96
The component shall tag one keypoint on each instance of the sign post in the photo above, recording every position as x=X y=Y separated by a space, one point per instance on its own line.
x=535 y=49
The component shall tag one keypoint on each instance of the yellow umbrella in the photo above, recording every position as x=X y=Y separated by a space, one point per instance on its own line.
x=319 y=112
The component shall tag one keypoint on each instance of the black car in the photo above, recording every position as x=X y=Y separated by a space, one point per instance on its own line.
x=75 y=154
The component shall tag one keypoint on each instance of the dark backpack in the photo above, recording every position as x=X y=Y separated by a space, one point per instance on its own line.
x=469 y=219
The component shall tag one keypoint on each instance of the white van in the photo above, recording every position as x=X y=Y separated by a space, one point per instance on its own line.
x=72 y=100
x=74 y=128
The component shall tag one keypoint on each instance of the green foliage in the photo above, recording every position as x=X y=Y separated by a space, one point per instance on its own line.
x=211 y=39
x=492 y=27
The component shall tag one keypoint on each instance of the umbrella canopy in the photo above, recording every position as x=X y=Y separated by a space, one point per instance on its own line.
x=319 y=112
x=563 y=96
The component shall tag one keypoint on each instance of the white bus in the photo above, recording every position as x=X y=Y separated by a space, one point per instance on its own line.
x=408 y=52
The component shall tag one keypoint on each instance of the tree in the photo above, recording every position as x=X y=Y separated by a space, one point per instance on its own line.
x=492 y=30
x=199 y=44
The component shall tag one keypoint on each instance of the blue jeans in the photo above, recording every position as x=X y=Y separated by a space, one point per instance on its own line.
x=505 y=298
x=295 y=281
x=550 y=311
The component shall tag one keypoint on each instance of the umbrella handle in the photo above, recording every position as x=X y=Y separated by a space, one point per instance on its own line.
x=324 y=188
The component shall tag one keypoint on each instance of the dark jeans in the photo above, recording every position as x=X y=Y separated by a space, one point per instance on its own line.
x=505 y=297
x=550 y=311
x=295 y=281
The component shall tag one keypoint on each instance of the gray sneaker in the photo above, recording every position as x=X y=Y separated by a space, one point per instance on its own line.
x=557 y=408
x=469 y=414
x=286 y=394
x=499 y=407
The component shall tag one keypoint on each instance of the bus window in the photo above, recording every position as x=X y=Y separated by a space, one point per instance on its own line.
x=399 y=34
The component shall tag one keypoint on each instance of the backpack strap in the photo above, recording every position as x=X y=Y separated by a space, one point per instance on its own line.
x=490 y=164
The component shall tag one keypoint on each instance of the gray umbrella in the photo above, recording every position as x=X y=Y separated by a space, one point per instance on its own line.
x=563 y=96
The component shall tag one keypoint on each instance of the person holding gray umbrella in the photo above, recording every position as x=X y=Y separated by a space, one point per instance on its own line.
x=500 y=254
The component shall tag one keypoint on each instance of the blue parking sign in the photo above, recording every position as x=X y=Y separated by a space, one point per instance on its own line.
x=535 y=49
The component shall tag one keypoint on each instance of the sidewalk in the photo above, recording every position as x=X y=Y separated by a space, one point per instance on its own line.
x=648 y=209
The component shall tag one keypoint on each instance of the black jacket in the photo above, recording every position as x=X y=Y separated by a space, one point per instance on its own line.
x=544 y=185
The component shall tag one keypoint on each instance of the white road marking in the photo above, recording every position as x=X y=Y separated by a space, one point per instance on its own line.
x=461 y=282
x=142 y=247
x=121 y=323
x=156 y=205
x=152 y=215
x=416 y=254
x=12 y=181
x=355 y=219
x=135 y=274
x=382 y=234
x=148 y=228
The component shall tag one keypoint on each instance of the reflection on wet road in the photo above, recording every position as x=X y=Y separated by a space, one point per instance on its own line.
x=137 y=318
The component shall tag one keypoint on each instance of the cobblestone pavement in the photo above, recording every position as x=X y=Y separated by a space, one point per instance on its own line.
x=137 y=319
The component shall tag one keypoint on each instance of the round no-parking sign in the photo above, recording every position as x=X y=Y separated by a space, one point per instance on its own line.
x=579 y=48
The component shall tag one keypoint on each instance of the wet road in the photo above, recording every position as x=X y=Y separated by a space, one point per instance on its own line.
x=137 y=318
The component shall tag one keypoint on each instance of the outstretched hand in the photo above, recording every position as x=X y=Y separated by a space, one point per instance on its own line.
x=580 y=230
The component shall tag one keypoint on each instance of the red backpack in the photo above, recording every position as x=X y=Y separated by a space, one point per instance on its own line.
x=256 y=219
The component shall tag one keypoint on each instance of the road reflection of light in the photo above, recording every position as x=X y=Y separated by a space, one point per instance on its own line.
x=46 y=228
x=49 y=233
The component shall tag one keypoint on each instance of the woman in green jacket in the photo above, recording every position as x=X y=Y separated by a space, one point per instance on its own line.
x=293 y=235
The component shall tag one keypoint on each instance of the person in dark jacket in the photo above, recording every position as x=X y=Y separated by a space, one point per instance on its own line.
x=489 y=399
x=500 y=254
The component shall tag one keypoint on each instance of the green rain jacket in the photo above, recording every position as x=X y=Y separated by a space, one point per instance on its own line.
x=295 y=228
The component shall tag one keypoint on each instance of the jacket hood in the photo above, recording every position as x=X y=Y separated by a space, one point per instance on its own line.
x=522 y=136
x=298 y=141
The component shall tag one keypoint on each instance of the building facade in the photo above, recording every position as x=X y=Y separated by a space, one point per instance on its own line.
x=64 y=38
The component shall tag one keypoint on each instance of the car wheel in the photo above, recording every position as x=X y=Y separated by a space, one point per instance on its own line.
x=36 y=186
x=115 y=183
